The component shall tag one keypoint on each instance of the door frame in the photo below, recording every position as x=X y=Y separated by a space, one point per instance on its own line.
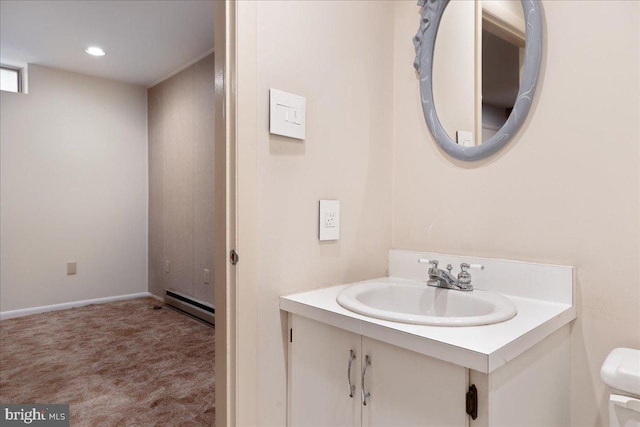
x=236 y=172
x=224 y=208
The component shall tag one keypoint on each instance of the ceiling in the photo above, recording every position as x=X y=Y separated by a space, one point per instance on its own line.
x=145 y=40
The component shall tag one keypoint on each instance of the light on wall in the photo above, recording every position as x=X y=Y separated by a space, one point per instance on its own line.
x=95 y=51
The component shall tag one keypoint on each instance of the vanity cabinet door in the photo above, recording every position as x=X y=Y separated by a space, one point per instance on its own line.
x=409 y=389
x=318 y=388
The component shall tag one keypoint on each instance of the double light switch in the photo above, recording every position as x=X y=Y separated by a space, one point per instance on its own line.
x=287 y=114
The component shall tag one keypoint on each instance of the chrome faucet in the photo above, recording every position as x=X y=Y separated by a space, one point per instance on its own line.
x=444 y=279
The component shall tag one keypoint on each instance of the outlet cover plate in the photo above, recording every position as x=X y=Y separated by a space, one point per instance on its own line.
x=72 y=268
x=329 y=220
x=464 y=138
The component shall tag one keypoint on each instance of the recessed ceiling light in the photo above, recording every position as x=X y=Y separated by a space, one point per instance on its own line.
x=95 y=51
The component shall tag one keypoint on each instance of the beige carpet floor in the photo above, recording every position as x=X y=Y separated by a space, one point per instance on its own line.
x=116 y=364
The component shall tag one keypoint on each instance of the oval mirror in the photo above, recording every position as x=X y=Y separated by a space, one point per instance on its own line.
x=480 y=71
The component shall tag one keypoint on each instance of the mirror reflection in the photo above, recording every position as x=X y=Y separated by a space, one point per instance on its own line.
x=478 y=64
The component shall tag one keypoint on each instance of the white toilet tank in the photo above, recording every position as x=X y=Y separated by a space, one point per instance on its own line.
x=621 y=371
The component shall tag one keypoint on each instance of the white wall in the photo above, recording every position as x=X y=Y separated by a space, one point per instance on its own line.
x=564 y=191
x=73 y=188
x=335 y=54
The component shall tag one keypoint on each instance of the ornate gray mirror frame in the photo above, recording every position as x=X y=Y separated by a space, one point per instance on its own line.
x=425 y=41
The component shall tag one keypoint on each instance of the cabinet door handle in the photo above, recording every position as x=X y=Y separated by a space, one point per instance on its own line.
x=365 y=393
x=352 y=357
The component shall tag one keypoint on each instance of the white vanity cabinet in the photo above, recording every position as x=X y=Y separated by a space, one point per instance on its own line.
x=420 y=374
x=410 y=389
x=406 y=388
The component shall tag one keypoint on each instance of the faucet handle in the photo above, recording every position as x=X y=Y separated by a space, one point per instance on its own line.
x=465 y=266
x=433 y=263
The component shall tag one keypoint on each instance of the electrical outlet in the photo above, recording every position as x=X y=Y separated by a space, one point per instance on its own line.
x=207 y=276
x=72 y=268
x=167 y=266
x=329 y=220
x=464 y=138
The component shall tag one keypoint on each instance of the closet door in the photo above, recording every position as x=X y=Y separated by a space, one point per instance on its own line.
x=318 y=389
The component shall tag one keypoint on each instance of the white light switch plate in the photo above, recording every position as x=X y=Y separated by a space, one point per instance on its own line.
x=329 y=220
x=287 y=114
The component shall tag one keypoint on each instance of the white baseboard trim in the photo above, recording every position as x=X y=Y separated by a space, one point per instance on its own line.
x=64 y=306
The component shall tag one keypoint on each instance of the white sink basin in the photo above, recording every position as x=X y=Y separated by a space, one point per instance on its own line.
x=419 y=304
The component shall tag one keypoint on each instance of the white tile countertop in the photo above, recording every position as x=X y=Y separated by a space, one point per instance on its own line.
x=542 y=308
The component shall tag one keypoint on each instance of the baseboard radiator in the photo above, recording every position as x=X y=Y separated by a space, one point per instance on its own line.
x=199 y=309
